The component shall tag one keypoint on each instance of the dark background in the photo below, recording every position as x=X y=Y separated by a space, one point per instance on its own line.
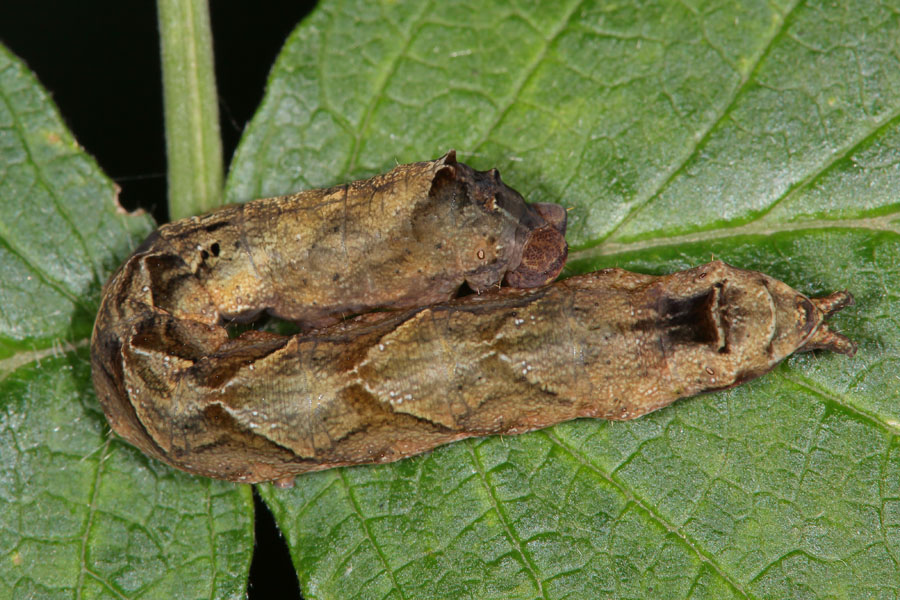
x=100 y=61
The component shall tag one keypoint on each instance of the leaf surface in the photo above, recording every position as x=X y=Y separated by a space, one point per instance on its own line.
x=764 y=134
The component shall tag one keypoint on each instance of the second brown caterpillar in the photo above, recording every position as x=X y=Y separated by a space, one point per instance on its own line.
x=407 y=238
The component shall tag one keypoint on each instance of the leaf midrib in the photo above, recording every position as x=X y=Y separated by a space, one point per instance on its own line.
x=882 y=223
x=57 y=348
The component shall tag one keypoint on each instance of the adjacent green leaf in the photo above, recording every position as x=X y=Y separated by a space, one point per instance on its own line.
x=83 y=515
x=764 y=134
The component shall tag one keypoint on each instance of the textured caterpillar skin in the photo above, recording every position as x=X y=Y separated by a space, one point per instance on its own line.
x=384 y=386
x=407 y=238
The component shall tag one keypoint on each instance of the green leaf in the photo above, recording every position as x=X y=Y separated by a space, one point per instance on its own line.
x=764 y=134
x=83 y=514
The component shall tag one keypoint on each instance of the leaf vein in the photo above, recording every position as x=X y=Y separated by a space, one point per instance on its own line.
x=381 y=86
x=892 y=120
x=365 y=527
x=527 y=74
x=19 y=359
x=811 y=387
x=92 y=510
x=875 y=224
x=57 y=286
x=518 y=545
x=711 y=126
x=53 y=193
x=633 y=497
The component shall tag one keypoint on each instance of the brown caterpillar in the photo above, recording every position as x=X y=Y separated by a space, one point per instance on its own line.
x=383 y=386
x=407 y=238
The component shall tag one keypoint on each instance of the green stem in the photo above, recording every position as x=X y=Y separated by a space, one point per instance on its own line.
x=193 y=143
